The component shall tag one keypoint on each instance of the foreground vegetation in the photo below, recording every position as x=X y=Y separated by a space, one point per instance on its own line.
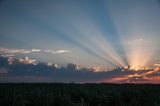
x=79 y=95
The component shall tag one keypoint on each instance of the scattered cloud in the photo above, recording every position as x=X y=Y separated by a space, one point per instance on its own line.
x=6 y=50
x=49 y=51
x=61 y=51
x=35 y=50
x=7 y=55
x=58 y=51
x=24 y=51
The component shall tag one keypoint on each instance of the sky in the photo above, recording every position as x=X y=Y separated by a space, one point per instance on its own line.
x=97 y=32
x=106 y=33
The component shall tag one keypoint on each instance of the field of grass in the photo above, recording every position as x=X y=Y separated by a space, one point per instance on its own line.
x=79 y=95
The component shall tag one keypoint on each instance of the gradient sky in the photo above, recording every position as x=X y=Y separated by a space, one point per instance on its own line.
x=87 y=32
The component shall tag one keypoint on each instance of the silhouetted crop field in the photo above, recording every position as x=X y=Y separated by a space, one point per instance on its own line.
x=31 y=94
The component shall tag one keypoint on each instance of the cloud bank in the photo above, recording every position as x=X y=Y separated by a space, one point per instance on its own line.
x=41 y=72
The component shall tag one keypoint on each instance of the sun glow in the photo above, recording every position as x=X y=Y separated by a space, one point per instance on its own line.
x=135 y=67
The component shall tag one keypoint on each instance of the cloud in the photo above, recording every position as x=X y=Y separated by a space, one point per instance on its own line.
x=35 y=50
x=58 y=51
x=3 y=71
x=61 y=51
x=7 y=55
x=72 y=73
x=6 y=50
x=49 y=51
x=24 y=51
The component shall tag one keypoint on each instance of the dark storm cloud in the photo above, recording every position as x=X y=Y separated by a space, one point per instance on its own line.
x=17 y=71
x=41 y=72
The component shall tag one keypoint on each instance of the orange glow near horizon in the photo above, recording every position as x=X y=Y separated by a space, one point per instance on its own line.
x=118 y=79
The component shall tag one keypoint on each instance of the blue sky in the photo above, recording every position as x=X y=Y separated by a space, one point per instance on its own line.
x=95 y=32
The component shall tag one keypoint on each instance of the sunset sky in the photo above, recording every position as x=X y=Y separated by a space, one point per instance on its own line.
x=106 y=33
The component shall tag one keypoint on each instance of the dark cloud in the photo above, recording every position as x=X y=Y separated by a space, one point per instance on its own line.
x=72 y=67
x=3 y=62
x=41 y=72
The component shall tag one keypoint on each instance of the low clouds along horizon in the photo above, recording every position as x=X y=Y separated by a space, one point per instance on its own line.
x=21 y=71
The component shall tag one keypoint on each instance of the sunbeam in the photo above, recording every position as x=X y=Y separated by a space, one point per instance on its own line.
x=140 y=46
x=117 y=37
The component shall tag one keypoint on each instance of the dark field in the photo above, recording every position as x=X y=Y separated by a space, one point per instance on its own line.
x=79 y=95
